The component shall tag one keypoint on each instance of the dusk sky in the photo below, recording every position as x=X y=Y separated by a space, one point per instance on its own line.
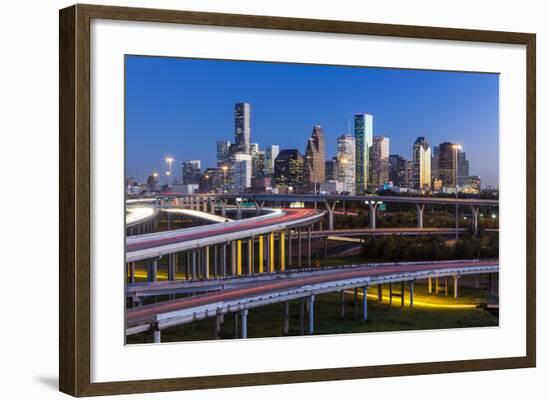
x=181 y=107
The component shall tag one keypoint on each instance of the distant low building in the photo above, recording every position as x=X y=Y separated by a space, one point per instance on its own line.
x=185 y=189
x=331 y=187
x=472 y=185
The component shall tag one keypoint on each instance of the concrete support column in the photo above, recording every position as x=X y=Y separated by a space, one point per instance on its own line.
x=205 y=205
x=156 y=336
x=302 y=307
x=217 y=325
x=437 y=285
x=475 y=215
x=355 y=303
x=380 y=293
x=342 y=304
x=311 y=302
x=420 y=214
x=132 y=272
x=200 y=266
x=172 y=266
x=411 y=294
x=330 y=211
x=224 y=260
x=309 y=246
x=402 y=293
x=261 y=254
x=286 y=318
x=259 y=207
x=299 y=247
x=391 y=293
x=212 y=205
x=289 y=248
x=194 y=265
x=429 y=285
x=215 y=261
x=365 y=289
x=236 y=321
x=455 y=286
x=446 y=286
x=250 y=249
x=207 y=262
x=282 y=250
x=233 y=258
x=152 y=270
x=244 y=321
x=223 y=204
x=239 y=210
x=373 y=206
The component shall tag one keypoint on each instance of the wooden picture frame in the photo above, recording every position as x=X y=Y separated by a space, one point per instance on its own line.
x=74 y=204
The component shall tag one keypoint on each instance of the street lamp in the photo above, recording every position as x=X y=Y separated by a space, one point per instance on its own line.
x=169 y=160
x=456 y=148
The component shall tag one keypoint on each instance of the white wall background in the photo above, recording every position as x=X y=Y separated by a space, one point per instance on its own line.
x=29 y=158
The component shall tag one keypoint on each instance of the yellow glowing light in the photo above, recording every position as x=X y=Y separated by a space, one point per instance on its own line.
x=416 y=302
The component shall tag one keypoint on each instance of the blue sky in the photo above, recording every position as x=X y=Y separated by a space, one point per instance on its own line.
x=181 y=107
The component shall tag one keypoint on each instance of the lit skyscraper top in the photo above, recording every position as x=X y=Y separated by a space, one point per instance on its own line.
x=363 y=129
x=242 y=127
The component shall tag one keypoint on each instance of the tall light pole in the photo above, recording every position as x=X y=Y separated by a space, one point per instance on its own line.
x=456 y=148
x=169 y=160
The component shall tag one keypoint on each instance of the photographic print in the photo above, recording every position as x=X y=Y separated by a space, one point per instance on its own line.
x=281 y=199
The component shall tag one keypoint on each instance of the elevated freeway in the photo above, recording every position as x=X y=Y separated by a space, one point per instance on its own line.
x=156 y=245
x=329 y=203
x=238 y=295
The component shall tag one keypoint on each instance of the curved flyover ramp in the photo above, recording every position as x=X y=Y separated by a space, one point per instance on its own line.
x=148 y=246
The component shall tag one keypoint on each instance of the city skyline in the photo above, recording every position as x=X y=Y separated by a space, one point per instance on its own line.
x=173 y=141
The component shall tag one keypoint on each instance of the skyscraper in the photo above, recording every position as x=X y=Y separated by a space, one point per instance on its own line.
x=314 y=169
x=380 y=164
x=191 y=172
x=345 y=157
x=331 y=169
x=447 y=164
x=258 y=161
x=242 y=127
x=435 y=163
x=363 y=129
x=398 y=170
x=271 y=153
x=422 y=158
x=242 y=173
x=289 y=168
x=221 y=180
x=463 y=168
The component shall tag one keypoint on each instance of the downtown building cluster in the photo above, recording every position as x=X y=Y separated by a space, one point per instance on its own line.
x=362 y=164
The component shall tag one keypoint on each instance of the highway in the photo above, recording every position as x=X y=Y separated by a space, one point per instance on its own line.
x=197 y=215
x=362 y=198
x=138 y=215
x=289 y=286
x=360 y=232
x=147 y=246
